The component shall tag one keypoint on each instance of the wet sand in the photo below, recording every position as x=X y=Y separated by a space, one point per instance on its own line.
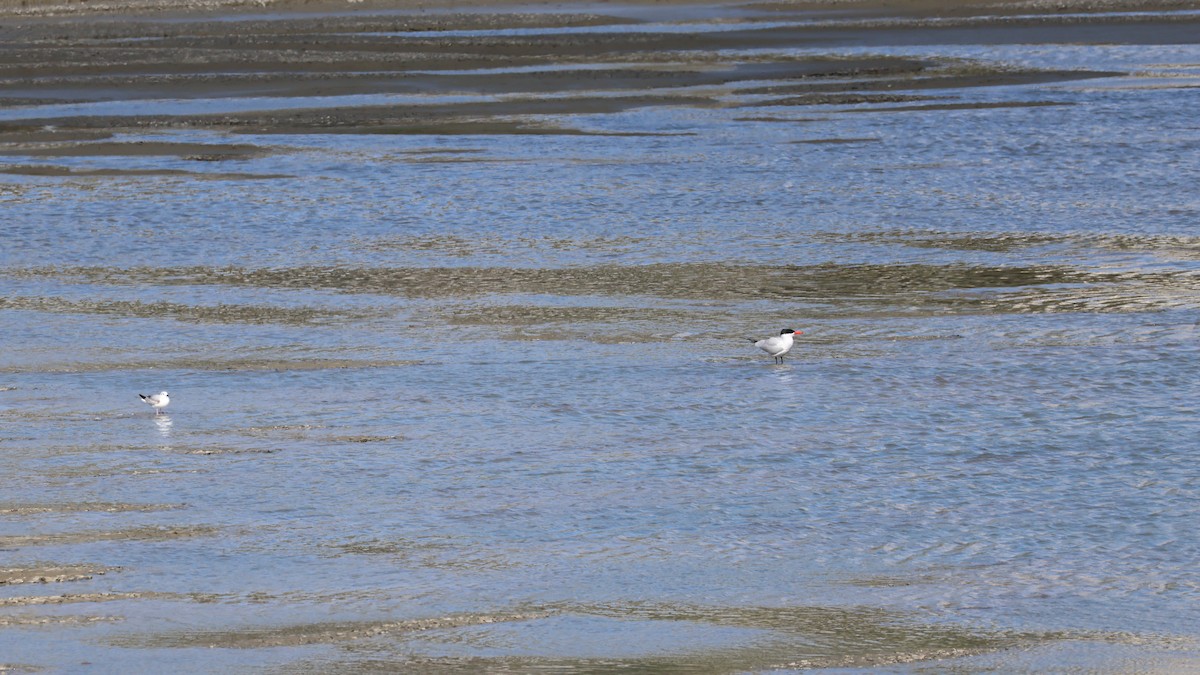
x=77 y=53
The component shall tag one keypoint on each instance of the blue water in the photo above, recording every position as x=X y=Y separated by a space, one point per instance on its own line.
x=474 y=376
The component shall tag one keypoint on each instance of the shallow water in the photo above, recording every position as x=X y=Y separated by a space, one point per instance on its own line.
x=486 y=401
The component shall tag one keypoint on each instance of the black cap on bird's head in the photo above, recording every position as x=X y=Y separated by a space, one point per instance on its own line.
x=785 y=331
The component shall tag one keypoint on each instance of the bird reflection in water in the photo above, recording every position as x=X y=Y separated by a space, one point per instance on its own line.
x=163 y=422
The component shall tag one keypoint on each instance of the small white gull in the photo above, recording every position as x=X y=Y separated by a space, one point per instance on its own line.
x=157 y=401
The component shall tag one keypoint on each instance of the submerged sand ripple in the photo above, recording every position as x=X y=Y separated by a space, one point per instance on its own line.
x=82 y=507
x=192 y=151
x=791 y=638
x=67 y=172
x=208 y=364
x=655 y=296
x=64 y=621
x=665 y=280
x=317 y=633
x=51 y=573
x=128 y=534
x=251 y=314
x=73 y=598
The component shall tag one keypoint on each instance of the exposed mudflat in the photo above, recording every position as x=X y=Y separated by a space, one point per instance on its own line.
x=534 y=60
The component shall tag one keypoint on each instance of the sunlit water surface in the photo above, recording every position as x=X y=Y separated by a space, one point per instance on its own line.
x=506 y=378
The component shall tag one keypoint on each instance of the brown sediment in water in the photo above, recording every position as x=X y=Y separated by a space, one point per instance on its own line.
x=25 y=620
x=231 y=365
x=867 y=624
x=791 y=638
x=1166 y=247
x=251 y=314
x=67 y=172
x=82 y=507
x=883 y=581
x=454 y=245
x=840 y=637
x=520 y=315
x=1171 y=247
x=836 y=141
x=98 y=471
x=406 y=547
x=75 y=598
x=228 y=451
x=317 y=633
x=12 y=141
x=192 y=151
x=949 y=76
x=838 y=99
x=46 y=573
x=636 y=303
x=364 y=438
x=993 y=105
x=484 y=118
x=129 y=534
x=776 y=118
x=440 y=553
x=1110 y=298
x=295 y=431
x=998 y=242
x=967 y=8
x=848 y=289
x=665 y=280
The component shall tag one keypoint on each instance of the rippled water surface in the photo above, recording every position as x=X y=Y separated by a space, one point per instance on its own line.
x=486 y=401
